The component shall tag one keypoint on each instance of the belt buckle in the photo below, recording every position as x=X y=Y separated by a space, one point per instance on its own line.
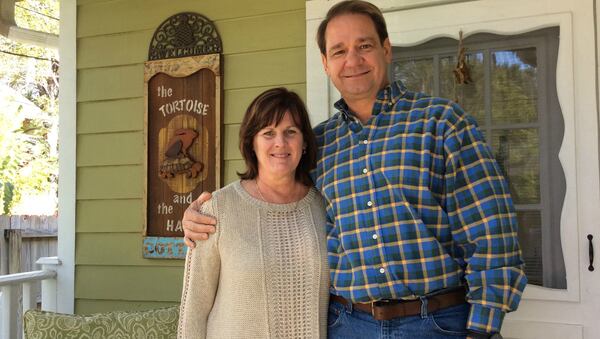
x=376 y=303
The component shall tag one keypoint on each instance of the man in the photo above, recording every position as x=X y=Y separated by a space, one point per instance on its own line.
x=419 y=216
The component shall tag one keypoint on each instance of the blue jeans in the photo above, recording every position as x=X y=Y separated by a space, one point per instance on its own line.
x=345 y=323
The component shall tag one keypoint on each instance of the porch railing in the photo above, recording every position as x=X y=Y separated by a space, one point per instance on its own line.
x=10 y=284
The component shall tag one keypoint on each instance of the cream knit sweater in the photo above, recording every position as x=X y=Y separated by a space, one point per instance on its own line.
x=263 y=274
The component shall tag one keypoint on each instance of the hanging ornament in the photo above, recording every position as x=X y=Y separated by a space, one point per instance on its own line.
x=462 y=75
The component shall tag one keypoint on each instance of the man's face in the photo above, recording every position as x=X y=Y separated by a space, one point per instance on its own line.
x=354 y=59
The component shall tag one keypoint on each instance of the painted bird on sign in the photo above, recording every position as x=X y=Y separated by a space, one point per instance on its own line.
x=178 y=159
x=181 y=141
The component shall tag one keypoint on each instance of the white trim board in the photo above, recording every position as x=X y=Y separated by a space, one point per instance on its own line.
x=67 y=169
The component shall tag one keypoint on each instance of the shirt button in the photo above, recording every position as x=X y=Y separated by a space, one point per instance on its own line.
x=381 y=270
x=365 y=170
x=365 y=142
x=369 y=203
x=374 y=236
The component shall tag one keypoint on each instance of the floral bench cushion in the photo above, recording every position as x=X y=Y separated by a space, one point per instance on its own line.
x=156 y=323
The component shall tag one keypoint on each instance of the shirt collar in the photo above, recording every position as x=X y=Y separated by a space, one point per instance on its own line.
x=388 y=95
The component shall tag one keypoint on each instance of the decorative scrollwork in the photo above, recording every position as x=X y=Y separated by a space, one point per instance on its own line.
x=184 y=34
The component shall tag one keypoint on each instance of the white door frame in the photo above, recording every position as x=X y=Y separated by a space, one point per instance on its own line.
x=570 y=313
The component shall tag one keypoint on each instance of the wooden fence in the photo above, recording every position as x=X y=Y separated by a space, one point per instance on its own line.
x=23 y=240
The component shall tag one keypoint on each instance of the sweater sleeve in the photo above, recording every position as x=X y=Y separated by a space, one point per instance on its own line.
x=200 y=282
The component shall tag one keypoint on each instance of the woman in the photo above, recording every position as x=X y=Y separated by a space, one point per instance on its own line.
x=264 y=272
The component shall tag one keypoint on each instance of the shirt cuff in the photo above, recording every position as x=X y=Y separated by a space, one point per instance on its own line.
x=485 y=319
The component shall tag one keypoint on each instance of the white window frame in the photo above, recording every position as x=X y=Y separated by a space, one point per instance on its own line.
x=547 y=146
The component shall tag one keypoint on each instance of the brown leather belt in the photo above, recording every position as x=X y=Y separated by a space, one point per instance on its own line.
x=390 y=309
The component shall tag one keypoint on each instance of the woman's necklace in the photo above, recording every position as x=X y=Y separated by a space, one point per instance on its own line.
x=265 y=200
x=259 y=192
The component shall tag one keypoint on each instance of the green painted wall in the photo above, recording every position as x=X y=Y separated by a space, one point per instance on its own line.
x=264 y=46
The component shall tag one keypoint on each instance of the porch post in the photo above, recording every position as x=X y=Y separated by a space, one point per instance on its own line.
x=49 y=285
x=8 y=328
x=67 y=160
x=29 y=301
x=10 y=293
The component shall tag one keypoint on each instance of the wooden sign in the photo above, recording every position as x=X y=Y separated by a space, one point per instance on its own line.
x=183 y=127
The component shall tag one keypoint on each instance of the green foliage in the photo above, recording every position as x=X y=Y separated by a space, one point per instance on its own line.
x=28 y=108
x=8 y=190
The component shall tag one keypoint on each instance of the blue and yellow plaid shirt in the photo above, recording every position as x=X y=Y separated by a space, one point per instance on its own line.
x=416 y=203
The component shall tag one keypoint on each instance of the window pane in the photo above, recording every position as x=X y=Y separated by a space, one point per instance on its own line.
x=469 y=96
x=517 y=153
x=416 y=74
x=504 y=98
x=530 y=240
x=514 y=86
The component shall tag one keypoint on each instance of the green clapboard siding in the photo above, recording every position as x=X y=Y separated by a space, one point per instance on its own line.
x=231 y=167
x=264 y=47
x=89 y=2
x=231 y=150
x=110 y=116
x=270 y=68
x=124 y=115
x=126 y=48
x=237 y=100
x=284 y=30
x=110 y=182
x=143 y=283
x=110 y=83
x=242 y=35
x=126 y=215
x=118 y=249
x=110 y=149
x=119 y=16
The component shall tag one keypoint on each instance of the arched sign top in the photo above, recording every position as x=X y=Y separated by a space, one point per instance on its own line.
x=184 y=34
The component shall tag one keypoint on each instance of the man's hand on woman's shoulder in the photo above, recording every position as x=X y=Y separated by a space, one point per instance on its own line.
x=197 y=226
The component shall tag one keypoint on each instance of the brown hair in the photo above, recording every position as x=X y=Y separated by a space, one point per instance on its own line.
x=268 y=108
x=353 y=7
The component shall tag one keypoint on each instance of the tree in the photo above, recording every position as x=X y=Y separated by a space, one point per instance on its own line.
x=28 y=108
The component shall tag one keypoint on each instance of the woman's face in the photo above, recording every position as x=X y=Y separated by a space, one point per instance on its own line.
x=279 y=148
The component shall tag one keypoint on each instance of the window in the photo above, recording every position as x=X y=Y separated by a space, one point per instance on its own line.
x=513 y=98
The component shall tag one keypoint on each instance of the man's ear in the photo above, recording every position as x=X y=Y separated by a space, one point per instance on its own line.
x=387 y=50
x=324 y=61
